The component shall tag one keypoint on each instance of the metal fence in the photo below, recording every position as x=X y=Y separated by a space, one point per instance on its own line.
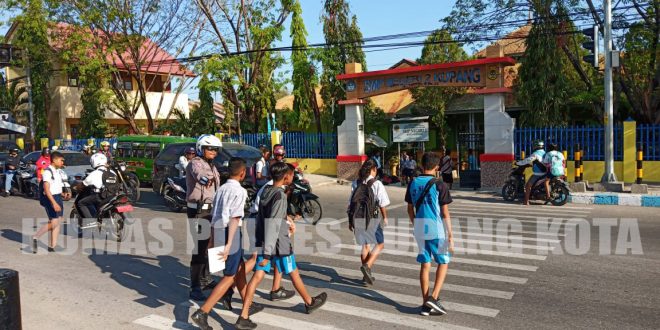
x=648 y=138
x=77 y=144
x=590 y=139
x=298 y=145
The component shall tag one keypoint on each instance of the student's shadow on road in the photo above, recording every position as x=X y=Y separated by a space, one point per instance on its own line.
x=161 y=280
x=350 y=286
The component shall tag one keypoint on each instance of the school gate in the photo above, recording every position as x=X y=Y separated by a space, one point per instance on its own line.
x=482 y=76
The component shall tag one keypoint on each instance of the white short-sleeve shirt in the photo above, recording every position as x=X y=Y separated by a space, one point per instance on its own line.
x=55 y=178
x=229 y=202
x=95 y=179
x=382 y=199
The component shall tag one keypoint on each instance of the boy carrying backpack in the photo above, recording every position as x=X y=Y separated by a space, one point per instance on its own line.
x=428 y=200
x=367 y=198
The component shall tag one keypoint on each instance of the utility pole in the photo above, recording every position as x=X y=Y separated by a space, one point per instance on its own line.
x=609 y=175
x=29 y=91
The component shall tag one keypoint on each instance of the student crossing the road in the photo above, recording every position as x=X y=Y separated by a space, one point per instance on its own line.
x=368 y=196
x=428 y=200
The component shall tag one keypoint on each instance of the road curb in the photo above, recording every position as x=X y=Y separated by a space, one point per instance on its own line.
x=616 y=199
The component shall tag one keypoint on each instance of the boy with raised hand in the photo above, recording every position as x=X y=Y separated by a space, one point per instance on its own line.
x=428 y=200
x=273 y=236
x=228 y=212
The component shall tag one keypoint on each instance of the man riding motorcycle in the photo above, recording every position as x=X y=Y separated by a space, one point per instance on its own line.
x=184 y=160
x=11 y=165
x=93 y=184
x=538 y=168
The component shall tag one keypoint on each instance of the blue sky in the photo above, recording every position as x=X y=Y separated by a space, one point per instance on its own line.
x=375 y=18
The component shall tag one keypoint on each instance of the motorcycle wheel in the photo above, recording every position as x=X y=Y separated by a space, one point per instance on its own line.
x=170 y=201
x=312 y=211
x=509 y=191
x=133 y=184
x=115 y=226
x=559 y=195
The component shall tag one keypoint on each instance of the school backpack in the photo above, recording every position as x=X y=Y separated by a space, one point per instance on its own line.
x=556 y=164
x=111 y=184
x=363 y=203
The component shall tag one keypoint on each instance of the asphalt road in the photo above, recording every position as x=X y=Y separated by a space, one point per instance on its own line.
x=566 y=276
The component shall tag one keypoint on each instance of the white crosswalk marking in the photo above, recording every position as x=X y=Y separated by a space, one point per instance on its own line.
x=392 y=233
x=454 y=259
x=452 y=272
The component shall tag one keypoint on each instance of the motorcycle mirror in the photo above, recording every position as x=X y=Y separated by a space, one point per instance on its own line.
x=114 y=145
x=225 y=164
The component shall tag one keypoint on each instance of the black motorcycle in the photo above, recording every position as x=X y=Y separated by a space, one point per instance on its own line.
x=24 y=181
x=112 y=211
x=514 y=188
x=302 y=201
x=174 y=193
x=129 y=180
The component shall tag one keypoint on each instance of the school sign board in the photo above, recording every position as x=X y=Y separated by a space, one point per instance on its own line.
x=410 y=132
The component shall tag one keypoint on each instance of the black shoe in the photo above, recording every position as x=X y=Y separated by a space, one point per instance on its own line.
x=226 y=301
x=245 y=324
x=435 y=304
x=35 y=244
x=426 y=311
x=317 y=302
x=4 y=194
x=197 y=294
x=281 y=294
x=255 y=308
x=210 y=286
x=366 y=271
x=201 y=320
x=50 y=249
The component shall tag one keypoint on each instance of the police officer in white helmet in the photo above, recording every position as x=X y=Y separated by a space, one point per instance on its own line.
x=92 y=186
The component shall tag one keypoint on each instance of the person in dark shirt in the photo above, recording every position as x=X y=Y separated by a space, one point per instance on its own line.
x=11 y=165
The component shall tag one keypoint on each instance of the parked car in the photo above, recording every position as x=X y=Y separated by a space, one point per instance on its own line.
x=139 y=152
x=76 y=163
x=164 y=164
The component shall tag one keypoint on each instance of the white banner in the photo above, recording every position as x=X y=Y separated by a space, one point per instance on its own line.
x=410 y=132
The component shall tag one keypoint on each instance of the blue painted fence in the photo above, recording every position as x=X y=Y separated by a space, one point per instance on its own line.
x=298 y=145
x=648 y=138
x=590 y=139
x=77 y=144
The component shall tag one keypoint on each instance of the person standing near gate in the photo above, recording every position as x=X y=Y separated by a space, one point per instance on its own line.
x=446 y=166
x=202 y=181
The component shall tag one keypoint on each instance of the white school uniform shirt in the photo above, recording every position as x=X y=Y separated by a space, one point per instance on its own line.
x=382 y=199
x=55 y=179
x=229 y=203
x=255 y=206
x=95 y=179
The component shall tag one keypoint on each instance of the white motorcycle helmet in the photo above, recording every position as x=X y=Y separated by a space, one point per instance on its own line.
x=206 y=140
x=97 y=160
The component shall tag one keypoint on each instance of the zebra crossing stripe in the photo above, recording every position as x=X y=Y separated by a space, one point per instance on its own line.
x=371 y=314
x=452 y=272
x=501 y=208
x=158 y=322
x=391 y=243
x=413 y=282
x=454 y=259
x=388 y=297
x=505 y=237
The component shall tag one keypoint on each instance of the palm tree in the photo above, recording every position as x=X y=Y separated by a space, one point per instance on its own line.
x=14 y=99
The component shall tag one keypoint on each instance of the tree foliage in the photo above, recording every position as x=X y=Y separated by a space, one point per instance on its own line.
x=343 y=45
x=432 y=101
x=14 y=98
x=242 y=71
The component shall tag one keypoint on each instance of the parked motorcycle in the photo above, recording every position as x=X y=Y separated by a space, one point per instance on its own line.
x=112 y=211
x=24 y=181
x=174 y=194
x=514 y=188
x=302 y=201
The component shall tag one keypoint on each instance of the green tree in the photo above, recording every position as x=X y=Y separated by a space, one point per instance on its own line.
x=242 y=71
x=432 y=101
x=343 y=45
x=304 y=78
x=14 y=98
x=201 y=119
x=94 y=100
x=32 y=36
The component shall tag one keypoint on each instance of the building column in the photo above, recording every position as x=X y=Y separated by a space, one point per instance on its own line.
x=498 y=138
x=350 y=141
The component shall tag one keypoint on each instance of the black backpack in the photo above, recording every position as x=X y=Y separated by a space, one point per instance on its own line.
x=363 y=203
x=111 y=184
